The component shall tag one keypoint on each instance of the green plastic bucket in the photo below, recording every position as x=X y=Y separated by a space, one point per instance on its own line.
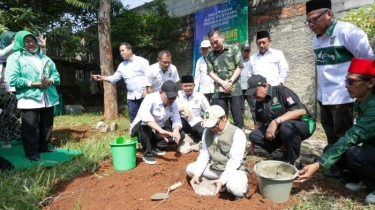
x=275 y=179
x=123 y=154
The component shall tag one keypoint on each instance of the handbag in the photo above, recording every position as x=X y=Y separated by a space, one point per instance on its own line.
x=3 y=90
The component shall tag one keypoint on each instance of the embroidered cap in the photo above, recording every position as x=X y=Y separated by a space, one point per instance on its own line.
x=205 y=43
x=212 y=115
x=253 y=83
x=317 y=4
x=362 y=66
x=170 y=89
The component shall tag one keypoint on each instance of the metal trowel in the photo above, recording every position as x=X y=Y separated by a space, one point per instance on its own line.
x=163 y=196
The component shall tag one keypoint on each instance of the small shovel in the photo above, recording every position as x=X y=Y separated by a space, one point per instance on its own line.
x=163 y=196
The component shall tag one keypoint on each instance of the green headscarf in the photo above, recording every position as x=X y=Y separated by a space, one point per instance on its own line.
x=6 y=39
x=19 y=45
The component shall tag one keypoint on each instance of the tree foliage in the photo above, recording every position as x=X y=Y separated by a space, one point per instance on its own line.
x=364 y=18
x=71 y=25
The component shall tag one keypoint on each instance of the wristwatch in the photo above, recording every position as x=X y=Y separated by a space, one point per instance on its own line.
x=278 y=121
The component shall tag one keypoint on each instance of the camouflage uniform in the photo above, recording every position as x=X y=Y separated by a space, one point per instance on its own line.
x=224 y=65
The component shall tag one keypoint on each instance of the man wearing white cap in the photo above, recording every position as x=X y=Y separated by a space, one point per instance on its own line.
x=203 y=83
x=222 y=157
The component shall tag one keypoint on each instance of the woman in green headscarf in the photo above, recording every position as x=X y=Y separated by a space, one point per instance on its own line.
x=34 y=75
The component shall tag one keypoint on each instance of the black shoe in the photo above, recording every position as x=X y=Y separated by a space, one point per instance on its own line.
x=49 y=149
x=283 y=157
x=34 y=158
x=298 y=165
x=334 y=172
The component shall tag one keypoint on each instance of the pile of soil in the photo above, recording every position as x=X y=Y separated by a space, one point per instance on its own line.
x=108 y=189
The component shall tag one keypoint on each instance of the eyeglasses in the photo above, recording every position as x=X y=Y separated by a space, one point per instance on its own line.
x=29 y=41
x=350 y=82
x=314 y=19
x=217 y=123
x=166 y=62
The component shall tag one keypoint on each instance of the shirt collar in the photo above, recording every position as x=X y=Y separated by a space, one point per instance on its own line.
x=225 y=48
x=331 y=27
x=364 y=104
x=270 y=50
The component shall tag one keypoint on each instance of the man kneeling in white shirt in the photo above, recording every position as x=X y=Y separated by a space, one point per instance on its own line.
x=152 y=126
x=222 y=157
x=191 y=104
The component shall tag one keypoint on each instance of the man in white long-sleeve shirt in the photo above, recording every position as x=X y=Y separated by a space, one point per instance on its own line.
x=151 y=125
x=203 y=83
x=221 y=158
x=268 y=62
x=132 y=70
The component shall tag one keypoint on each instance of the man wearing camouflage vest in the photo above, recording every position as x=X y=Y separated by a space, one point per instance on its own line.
x=222 y=157
x=224 y=65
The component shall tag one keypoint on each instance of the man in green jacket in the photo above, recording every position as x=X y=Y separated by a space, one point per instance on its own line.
x=347 y=153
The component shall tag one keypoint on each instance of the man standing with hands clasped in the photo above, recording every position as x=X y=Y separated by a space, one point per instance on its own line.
x=224 y=65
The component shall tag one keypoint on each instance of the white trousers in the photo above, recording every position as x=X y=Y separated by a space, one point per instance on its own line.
x=236 y=185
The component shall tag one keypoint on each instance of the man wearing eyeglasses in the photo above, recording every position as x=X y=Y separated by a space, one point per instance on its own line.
x=335 y=44
x=222 y=157
x=281 y=119
x=160 y=72
x=354 y=152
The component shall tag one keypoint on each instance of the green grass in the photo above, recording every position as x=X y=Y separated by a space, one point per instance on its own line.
x=32 y=189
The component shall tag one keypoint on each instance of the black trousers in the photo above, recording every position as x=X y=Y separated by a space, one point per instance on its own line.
x=250 y=102
x=150 y=140
x=5 y=164
x=209 y=97
x=290 y=133
x=336 y=120
x=36 y=129
x=358 y=164
x=196 y=131
x=235 y=103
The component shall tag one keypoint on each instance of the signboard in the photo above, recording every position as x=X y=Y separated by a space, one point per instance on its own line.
x=230 y=17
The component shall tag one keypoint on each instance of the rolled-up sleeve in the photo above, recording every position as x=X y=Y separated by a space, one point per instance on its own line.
x=203 y=158
x=175 y=117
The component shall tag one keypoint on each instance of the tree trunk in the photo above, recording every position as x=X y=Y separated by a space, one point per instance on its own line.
x=106 y=59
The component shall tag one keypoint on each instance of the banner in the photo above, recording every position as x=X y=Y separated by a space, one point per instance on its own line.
x=232 y=20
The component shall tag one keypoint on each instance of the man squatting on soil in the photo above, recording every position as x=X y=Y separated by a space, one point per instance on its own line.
x=222 y=157
x=334 y=45
x=358 y=161
x=152 y=126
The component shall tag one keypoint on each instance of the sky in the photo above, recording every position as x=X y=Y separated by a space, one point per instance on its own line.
x=134 y=3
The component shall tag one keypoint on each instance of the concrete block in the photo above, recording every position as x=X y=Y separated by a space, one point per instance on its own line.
x=73 y=109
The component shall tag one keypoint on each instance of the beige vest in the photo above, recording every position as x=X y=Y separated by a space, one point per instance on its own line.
x=219 y=151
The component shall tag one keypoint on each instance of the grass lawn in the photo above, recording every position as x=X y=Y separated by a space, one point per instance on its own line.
x=32 y=189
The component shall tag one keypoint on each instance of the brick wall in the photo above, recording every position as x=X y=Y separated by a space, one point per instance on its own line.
x=284 y=19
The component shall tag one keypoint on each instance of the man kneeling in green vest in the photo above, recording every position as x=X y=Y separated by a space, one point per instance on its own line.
x=222 y=157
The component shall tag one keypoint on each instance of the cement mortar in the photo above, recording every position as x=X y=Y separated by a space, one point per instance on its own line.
x=280 y=172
